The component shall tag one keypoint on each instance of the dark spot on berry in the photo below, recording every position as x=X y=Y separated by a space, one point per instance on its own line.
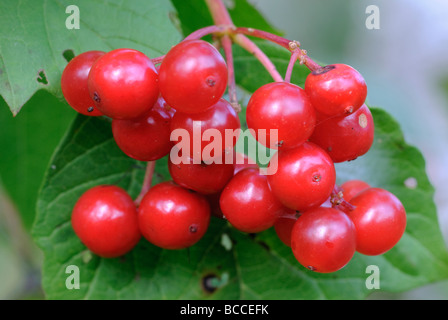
x=210 y=82
x=193 y=228
x=279 y=144
x=90 y=109
x=323 y=70
x=317 y=177
x=96 y=97
x=330 y=149
x=311 y=268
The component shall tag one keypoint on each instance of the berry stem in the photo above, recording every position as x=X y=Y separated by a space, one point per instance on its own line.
x=221 y=16
x=251 y=47
x=337 y=200
x=219 y=12
x=147 y=182
x=291 y=45
x=292 y=61
x=233 y=98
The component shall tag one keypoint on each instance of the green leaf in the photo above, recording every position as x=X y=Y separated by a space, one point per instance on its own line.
x=239 y=265
x=259 y=267
x=28 y=142
x=194 y=15
x=34 y=38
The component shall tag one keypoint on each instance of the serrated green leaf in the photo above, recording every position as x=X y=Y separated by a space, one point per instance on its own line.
x=34 y=37
x=258 y=267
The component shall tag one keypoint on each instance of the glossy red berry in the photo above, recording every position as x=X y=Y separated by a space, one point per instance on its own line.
x=305 y=176
x=146 y=138
x=323 y=240
x=193 y=76
x=336 y=89
x=243 y=161
x=283 y=226
x=124 y=84
x=206 y=132
x=284 y=107
x=172 y=217
x=351 y=188
x=201 y=177
x=74 y=83
x=105 y=220
x=380 y=220
x=345 y=137
x=248 y=203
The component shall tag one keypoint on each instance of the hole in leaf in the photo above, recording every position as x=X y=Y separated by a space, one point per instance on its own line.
x=41 y=77
x=211 y=282
x=68 y=54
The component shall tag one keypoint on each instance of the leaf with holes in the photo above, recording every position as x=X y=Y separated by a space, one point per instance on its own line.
x=37 y=39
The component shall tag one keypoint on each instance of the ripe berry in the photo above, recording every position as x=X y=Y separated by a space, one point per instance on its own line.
x=146 y=138
x=172 y=217
x=105 y=220
x=284 y=107
x=193 y=76
x=283 y=226
x=305 y=176
x=351 y=188
x=219 y=122
x=248 y=203
x=345 y=137
x=124 y=84
x=336 y=89
x=203 y=178
x=380 y=220
x=74 y=83
x=243 y=161
x=323 y=240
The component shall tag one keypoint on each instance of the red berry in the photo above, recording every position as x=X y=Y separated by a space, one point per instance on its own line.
x=74 y=83
x=243 y=161
x=323 y=240
x=283 y=226
x=172 y=217
x=124 y=84
x=284 y=107
x=105 y=220
x=203 y=178
x=380 y=221
x=305 y=176
x=219 y=121
x=146 y=138
x=336 y=89
x=248 y=203
x=352 y=187
x=345 y=137
x=193 y=76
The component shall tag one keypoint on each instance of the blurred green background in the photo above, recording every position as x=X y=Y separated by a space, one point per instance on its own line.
x=404 y=64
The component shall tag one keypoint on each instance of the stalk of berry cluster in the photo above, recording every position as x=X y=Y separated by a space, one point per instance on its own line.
x=147 y=182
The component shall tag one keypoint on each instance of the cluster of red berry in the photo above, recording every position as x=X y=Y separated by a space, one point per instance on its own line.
x=324 y=123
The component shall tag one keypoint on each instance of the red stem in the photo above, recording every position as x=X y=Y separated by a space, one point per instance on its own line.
x=233 y=99
x=147 y=182
x=292 y=61
x=338 y=201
